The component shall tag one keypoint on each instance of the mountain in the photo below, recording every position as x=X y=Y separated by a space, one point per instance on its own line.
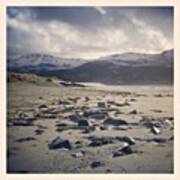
x=38 y=62
x=126 y=68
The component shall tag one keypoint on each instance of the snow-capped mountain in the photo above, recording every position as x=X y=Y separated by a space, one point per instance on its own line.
x=126 y=68
x=42 y=61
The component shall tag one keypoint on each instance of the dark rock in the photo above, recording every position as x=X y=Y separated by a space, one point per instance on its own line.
x=22 y=123
x=101 y=104
x=88 y=129
x=58 y=143
x=99 y=141
x=42 y=106
x=96 y=114
x=159 y=140
x=115 y=122
x=124 y=151
x=83 y=123
x=96 y=164
x=133 y=112
x=75 y=117
x=171 y=138
x=39 y=131
x=26 y=139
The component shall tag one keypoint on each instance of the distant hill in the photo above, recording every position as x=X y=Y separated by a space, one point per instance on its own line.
x=126 y=68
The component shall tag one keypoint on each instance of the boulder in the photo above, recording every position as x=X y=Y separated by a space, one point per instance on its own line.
x=59 y=143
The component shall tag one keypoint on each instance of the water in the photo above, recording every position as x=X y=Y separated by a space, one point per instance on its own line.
x=132 y=88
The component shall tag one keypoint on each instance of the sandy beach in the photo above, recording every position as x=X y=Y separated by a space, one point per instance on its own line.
x=56 y=129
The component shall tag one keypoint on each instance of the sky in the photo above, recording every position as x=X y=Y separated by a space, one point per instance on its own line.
x=89 y=32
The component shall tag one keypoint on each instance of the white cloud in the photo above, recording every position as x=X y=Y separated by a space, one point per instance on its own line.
x=100 y=10
x=56 y=37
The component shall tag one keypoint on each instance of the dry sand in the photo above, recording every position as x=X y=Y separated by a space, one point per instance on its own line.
x=28 y=150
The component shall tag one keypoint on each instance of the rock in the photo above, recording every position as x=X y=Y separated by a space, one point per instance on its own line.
x=87 y=99
x=61 y=125
x=75 y=117
x=121 y=128
x=99 y=141
x=22 y=123
x=83 y=123
x=58 y=143
x=78 y=154
x=95 y=114
x=159 y=140
x=47 y=116
x=115 y=122
x=118 y=104
x=42 y=106
x=101 y=104
x=133 y=112
x=88 y=129
x=127 y=139
x=171 y=138
x=155 y=130
x=96 y=164
x=124 y=151
x=26 y=139
x=61 y=102
x=39 y=131
x=103 y=127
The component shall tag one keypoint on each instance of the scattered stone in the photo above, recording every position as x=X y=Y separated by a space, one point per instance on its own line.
x=96 y=164
x=99 y=141
x=78 y=154
x=22 y=123
x=88 y=129
x=75 y=117
x=83 y=123
x=42 y=106
x=158 y=95
x=95 y=114
x=87 y=99
x=39 y=131
x=127 y=139
x=124 y=151
x=119 y=104
x=133 y=112
x=121 y=128
x=157 y=110
x=133 y=100
x=25 y=139
x=155 y=130
x=101 y=104
x=159 y=140
x=103 y=127
x=58 y=143
x=171 y=138
x=115 y=122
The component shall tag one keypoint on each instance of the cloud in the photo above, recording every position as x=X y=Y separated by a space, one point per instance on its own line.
x=101 y=10
x=116 y=32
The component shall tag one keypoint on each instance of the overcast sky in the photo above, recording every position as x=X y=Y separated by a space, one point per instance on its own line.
x=89 y=32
